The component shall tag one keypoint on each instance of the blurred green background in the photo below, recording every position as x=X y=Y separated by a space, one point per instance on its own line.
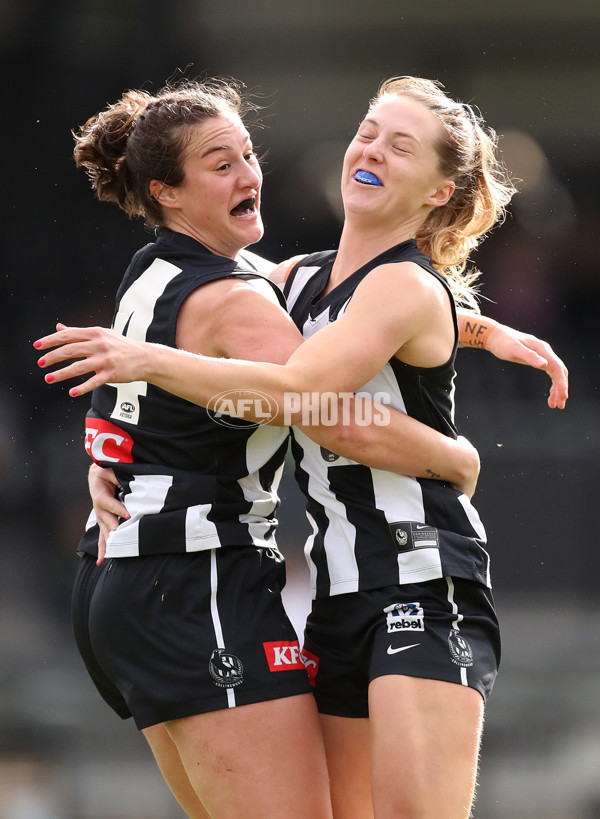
x=533 y=69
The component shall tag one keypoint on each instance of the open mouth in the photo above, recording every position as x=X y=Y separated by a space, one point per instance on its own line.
x=245 y=208
x=367 y=178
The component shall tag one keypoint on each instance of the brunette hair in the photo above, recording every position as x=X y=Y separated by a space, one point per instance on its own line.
x=143 y=136
x=468 y=154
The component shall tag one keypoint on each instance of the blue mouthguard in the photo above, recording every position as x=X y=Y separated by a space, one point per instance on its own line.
x=367 y=178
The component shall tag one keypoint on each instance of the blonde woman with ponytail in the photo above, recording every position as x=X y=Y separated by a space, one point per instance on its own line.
x=402 y=644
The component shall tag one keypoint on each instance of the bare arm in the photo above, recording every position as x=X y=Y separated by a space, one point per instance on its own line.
x=237 y=321
x=506 y=343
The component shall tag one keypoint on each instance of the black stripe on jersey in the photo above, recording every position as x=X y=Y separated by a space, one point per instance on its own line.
x=162 y=533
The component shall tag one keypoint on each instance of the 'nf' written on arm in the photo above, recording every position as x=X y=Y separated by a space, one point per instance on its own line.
x=474 y=334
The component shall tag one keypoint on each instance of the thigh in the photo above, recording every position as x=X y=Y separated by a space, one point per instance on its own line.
x=348 y=750
x=260 y=761
x=425 y=744
x=170 y=764
x=185 y=634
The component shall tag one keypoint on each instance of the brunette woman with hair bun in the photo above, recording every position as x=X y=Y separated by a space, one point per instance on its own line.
x=402 y=642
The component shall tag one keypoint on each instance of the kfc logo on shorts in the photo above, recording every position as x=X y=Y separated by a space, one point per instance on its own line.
x=284 y=656
x=404 y=617
x=106 y=443
x=311 y=664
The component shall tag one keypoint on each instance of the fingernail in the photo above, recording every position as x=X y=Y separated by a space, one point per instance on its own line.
x=42 y=362
x=74 y=392
x=37 y=344
x=49 y=378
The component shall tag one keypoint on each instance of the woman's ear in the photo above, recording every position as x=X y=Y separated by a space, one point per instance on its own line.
x=442 y=195
x=164 y=194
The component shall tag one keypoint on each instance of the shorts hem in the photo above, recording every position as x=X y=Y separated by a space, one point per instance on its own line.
x=168 y=713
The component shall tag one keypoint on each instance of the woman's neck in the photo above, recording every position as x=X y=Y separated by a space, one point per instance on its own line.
x=357 y=247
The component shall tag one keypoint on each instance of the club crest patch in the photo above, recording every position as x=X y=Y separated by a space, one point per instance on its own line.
x=226 y=669
x=460 y=649
x=409 y=535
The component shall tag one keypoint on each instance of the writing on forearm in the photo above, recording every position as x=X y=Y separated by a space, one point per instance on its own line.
x=433 y=474
x=474 y=333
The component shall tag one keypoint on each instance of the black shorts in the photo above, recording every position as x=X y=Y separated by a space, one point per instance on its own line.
x=170 y=636
x=441 y=630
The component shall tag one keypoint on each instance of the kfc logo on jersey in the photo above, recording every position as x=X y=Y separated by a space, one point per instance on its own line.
x=105 y=442
x=404 y=617
x=284 y=656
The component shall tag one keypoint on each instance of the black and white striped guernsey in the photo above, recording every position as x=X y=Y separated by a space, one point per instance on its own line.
x=373 y=528
x=188 y=483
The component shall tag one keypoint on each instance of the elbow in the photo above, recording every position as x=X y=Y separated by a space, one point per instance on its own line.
x=349 y=440
x=467 y=467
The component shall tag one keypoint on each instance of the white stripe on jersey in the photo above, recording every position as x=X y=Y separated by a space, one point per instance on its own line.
x=259 y=263
x=136 y=311
x=261 y=446
x=476 y=522
x=214 y=610
x=311 y=326
x=200 y=533
x=339 y=539
x=147 y=497
x=307 y=550
x=401 y=498
x=458 y=619
x=303 y=275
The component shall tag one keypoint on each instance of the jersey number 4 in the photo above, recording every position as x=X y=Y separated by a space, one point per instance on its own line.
x=134 y=317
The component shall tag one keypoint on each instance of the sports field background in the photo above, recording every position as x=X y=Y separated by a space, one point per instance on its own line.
x=533 y=69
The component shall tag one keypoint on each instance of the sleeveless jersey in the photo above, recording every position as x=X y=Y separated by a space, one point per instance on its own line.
x=191 y=480
x=373 y=528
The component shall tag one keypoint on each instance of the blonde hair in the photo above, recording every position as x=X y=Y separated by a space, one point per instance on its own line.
x=144 y=136
x=468 y=152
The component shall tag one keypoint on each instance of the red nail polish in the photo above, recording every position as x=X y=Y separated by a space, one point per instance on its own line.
x=49 y=378
x=37 y=344
x=42 y=362
x=74 y=392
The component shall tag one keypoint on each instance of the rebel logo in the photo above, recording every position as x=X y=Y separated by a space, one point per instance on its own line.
x=106 y=443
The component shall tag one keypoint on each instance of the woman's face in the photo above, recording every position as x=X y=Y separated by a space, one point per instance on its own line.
x=218 y=202
x=391 y=167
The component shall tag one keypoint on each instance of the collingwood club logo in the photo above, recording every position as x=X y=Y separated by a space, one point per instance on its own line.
x=226 y=669
x=460 y=650
x=401 y=537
